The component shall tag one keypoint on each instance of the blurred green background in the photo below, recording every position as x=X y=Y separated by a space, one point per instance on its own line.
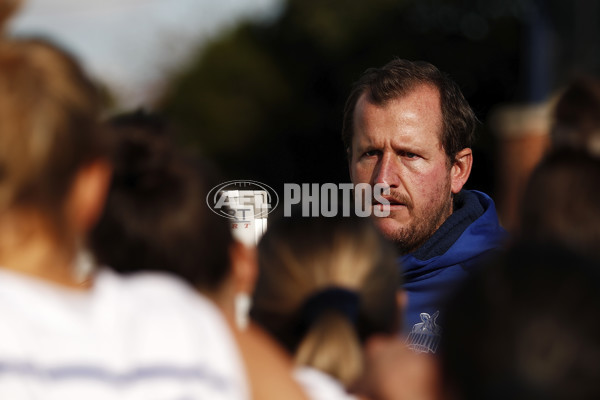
x=265 y=99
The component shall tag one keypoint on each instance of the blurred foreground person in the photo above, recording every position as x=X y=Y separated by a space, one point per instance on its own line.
x=526 y=328
x=145 y=337
x=576 y=116
x=561 y=203
x=156 y=217
x=326 y=287
x=156 y=220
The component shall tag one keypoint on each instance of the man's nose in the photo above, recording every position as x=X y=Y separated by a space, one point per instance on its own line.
x=387 y=172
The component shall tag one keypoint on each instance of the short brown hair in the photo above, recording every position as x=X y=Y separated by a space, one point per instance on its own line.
x=399 y=77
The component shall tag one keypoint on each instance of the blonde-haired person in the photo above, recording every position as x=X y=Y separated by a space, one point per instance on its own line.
x=53 y=175
x=326 y=286
x=142 y=337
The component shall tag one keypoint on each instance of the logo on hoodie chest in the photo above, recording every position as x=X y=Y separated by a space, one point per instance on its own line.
x=424 y=336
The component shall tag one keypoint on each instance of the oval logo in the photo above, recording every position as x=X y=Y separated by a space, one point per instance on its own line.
x=241 y=200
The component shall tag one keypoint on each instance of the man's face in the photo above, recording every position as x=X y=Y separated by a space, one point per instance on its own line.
x=398 y=144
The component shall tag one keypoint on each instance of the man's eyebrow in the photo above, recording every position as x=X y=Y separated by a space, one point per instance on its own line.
x=367 y=146
x=365 y=142
x=403 y=145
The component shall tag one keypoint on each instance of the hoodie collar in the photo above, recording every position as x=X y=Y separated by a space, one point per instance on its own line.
x=467 y=209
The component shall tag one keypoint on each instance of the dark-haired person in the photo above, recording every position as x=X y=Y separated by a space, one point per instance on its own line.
x=156 y=221
x=524 y=328
x=561 y=202
x=576 y=120
x=408 y=126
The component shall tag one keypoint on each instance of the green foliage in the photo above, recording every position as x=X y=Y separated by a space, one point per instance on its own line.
x=265 y=100
x=231 y=93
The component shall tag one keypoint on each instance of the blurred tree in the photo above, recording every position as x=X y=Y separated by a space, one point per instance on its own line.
x=265 y=100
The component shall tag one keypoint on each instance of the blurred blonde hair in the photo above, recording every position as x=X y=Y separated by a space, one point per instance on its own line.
x=48 y=124
x=299 y=257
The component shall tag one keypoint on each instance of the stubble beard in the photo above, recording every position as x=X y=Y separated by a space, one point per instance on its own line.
x=409 y=238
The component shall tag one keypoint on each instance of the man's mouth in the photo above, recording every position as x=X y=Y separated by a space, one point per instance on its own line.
x=394 y=204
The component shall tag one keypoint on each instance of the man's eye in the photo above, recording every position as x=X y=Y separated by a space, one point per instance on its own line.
x=408 y=154
x=371 y=153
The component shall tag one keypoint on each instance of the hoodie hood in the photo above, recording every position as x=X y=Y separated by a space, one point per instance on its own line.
x=471 y=234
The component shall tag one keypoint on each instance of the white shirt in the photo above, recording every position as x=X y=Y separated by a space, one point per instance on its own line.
x=148 y=336
x=320 y=386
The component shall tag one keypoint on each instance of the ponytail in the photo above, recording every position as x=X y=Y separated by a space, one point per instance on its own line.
x=325 y=286
x=328 y=338
x=332 y=346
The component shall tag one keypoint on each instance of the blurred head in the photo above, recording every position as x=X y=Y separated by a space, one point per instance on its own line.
x=156 y=217
x=48 y=129
x=577 y=116
x=525 y=328
x=561 y=202
x=338 y=260
x=408 y=127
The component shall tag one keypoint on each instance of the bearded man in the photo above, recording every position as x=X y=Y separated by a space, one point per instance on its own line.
x=408 y=126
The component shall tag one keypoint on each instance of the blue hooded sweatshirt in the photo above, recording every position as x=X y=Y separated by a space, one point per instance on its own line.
x=438 y=266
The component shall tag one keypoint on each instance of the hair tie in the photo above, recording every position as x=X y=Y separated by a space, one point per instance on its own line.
x=345 y=301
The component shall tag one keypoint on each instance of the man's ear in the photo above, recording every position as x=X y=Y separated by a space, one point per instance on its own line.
x=87 y=195
x=461 y=169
